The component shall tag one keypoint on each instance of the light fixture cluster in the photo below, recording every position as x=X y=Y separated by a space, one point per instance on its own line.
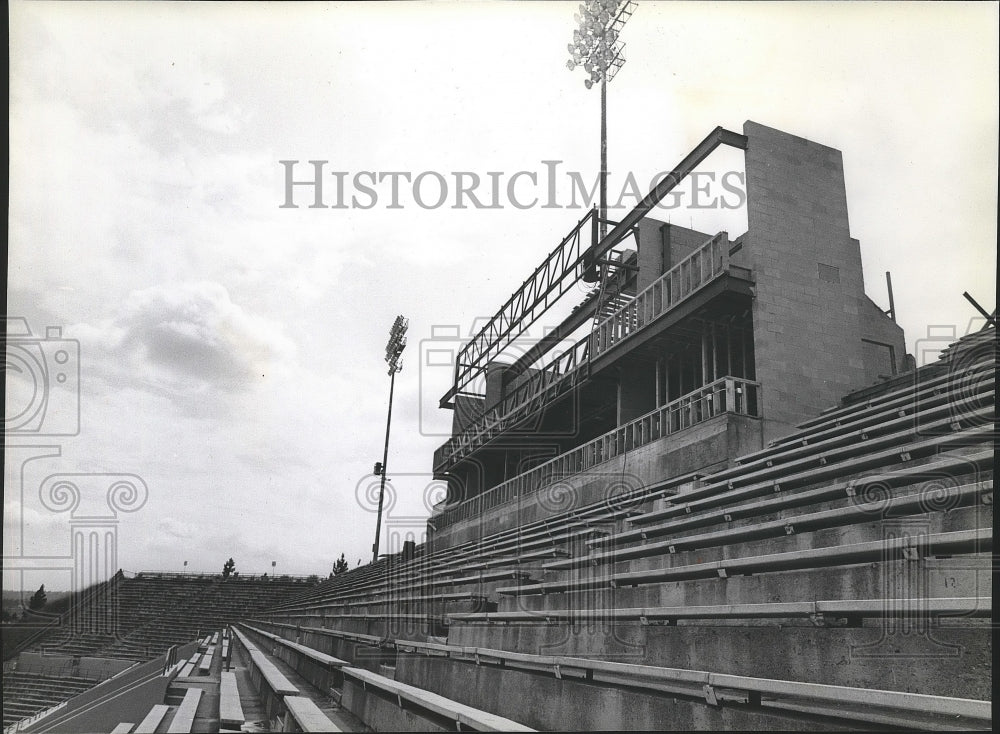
x=397 y=343
x=595 y=44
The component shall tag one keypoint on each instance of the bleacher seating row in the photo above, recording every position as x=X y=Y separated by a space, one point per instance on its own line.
x=851 y=705
x=140 y=618
x=803 y=463
x=283 y=704
x=868 y=528
x=26 y=693
x=316 y=667
x=787 y=590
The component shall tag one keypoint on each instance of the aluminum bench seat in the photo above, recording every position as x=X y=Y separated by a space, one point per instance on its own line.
x=958 y=542
x=230 y=709
x=304 y=715
x=183 y=720
x=716 y=495
x=267 y=671
x=841 y=453
x=152 y=720
x=855 y=432
x=913 y=504
x=464 y=716
x=947 y=466
x=837 y=608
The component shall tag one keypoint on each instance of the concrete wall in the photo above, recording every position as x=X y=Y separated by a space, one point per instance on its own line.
x=885 y=347
x=708 y=445
x=809 y=287
x=546 y=703
x=84 y=667
x=663 y=245
x=494 y=382
x=124 y=698
x=381 y=712
x=679 y=242
x=866 y=657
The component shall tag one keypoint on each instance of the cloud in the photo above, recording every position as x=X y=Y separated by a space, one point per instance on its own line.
x=174 y=528
x=189 y=339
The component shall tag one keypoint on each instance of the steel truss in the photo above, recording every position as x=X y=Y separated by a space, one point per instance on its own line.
x=567 y=264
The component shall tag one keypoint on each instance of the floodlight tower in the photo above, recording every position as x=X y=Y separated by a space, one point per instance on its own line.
x=596 y=47
x=393 y=351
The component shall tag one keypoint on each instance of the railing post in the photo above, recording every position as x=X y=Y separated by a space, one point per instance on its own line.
x=731 y=405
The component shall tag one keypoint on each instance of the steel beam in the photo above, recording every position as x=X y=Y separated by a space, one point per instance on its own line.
x=586 y=312
x=546 y=285
x=560 y=270
x=719 y=136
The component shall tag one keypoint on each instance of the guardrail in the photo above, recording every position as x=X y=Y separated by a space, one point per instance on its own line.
x=857 y=704
x=235 y=578
x=725 y=395
x=432 y=706
x=689 y=275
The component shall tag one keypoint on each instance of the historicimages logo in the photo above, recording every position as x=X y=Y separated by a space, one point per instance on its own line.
x=42 y=383
x=314 y=184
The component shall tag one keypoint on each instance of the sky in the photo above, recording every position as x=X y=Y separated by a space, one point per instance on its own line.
x=230 y=349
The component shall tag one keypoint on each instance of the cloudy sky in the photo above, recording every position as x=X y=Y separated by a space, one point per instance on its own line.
x=231 y=349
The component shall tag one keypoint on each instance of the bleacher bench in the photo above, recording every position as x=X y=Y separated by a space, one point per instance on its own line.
x=304 y=715
x=153 y=718
x=183 y=720
x=462 y=715
x=230 y=709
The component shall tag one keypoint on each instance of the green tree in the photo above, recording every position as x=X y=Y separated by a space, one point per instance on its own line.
x=38 y=599
x=228 y=568
x=340 y=566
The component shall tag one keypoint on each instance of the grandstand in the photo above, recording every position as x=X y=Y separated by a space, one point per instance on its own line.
x=127 y=620
x=733 y=503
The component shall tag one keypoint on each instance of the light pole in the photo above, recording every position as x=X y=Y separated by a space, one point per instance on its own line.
x=393 y=350
x=596 y=47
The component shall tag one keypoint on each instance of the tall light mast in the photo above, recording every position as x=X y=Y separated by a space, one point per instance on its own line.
x=393 y=351
x=597 y=48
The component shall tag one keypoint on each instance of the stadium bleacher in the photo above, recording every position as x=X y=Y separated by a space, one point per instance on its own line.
x=780 y=592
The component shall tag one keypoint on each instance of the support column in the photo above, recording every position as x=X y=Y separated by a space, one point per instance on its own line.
x=809 y=287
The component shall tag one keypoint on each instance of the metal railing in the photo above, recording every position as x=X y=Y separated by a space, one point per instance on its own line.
x=725 y=395
x=689 y=275
x=546 y=285
x=235 y=578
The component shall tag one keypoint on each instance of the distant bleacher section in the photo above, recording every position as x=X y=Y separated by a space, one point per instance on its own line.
x=153 y=611
x=26 y=694
x=134 y=619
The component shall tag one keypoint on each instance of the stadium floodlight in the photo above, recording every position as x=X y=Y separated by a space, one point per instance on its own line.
x=393 y=351
x=596 y=47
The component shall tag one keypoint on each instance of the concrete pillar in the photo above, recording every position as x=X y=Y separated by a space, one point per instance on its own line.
x=806 y=322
